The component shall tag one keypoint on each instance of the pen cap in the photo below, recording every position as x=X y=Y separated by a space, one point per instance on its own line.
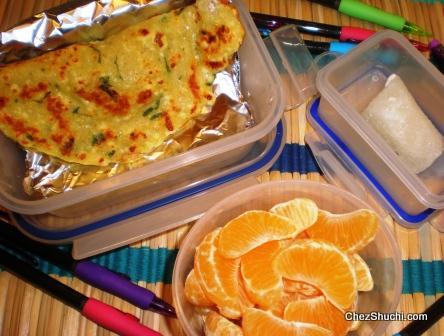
x=294 y=63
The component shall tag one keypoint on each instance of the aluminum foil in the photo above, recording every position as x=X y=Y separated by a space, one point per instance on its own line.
x=81 y=21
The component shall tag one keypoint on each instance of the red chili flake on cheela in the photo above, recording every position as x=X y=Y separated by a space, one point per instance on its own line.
x=118 y=107
x=62 y=71
x=144 y=96
x=19 y=126
x=223 y=32
x=158 y=39
x=134 y=135
x=168 y=122
x=109 y=135
x=207 y=37
x=67 y=146
x=132 y=149
x=144 y=32
x=3 y=102
x=57 y=138
x=57 y=108
x=28 y=91
x=192 y=83
x=215 y=65
x=82 y=156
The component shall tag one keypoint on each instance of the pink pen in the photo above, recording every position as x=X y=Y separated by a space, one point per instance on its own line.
x=360 y=34
x=355 y=34
x=98 y=312
x=115 y=320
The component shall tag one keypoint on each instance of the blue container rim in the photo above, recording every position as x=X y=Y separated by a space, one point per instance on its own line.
x=400 y=212
x=71 y=234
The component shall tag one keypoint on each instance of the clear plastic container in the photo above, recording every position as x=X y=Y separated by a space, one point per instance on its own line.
x=170 y=207
x=126 y=190
x=382 y=255
x=294 y=63
x=347 y=86
x=342 y=167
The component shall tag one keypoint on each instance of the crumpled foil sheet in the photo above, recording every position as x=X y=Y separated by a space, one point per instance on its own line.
x=79 y=22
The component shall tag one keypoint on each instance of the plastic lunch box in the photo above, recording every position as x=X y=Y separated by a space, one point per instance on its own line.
x=164 y=194
x=347 y=85
x=348 y=151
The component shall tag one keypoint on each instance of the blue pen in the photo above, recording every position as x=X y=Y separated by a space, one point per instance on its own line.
x=317 y=48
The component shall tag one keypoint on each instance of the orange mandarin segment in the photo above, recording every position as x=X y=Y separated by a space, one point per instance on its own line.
x=252 y=229
x=350 y=232
x=303 y=212
x=217 y=325
x=194 y=293
x=219 y=277
x=301 y=288
x=321 y=265
x=256 y=322
x=318 y=311
x=263 y=285
x=363 y=275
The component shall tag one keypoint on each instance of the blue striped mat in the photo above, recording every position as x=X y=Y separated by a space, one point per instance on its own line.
x=156 y=265
x=296 y=159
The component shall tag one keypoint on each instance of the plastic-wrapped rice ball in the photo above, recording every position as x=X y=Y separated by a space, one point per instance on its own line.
x=396 y=116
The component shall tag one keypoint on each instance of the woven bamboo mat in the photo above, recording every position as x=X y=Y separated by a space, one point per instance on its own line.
x=27 y=311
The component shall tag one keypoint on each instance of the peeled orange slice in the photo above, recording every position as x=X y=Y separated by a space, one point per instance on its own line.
x=217 y=325
x=318 y=311
x=301 y=288
x=350 y=232
x=252 y=229
x=321 y=265
x=256 y=322
x=219 y=277
x=263 y=286
x=194 y=292
x=303 y=212
x=363 y=275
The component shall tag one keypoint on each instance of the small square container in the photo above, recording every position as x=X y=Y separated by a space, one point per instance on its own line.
x=347 y=86
x=88 y=209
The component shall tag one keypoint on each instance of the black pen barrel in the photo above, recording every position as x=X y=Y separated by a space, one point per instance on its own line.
x=307 y=27
x=11 y=236
x=316 y=47
x=42 y=281
x=434 y=313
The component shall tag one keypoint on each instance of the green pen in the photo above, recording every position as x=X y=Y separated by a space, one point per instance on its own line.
x=359 y=10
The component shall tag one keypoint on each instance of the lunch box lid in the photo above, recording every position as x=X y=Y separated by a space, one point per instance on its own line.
x=341 y=165
x=67 y=235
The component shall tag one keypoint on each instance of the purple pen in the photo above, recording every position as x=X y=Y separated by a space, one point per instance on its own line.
x=119 y=285
x=94 y=274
